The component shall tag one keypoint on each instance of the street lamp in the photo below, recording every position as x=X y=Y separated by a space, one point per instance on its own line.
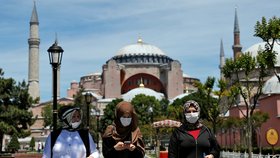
x=55 y=56
x=97 y=114
x=88 y=98
x=151 y=112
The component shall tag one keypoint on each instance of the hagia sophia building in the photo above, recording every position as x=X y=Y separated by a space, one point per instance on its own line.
x=134 y=65
x=134 y=69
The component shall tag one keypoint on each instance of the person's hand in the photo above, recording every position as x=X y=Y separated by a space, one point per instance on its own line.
x=130 y=147
x=209 y=156
x=120 y=146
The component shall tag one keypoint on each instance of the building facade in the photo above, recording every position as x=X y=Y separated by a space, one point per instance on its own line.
x=135 y=64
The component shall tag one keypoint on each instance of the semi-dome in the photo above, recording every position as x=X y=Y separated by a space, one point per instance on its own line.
x=261 y=46
x=142 y=90
x=272 y=86
x=140 y=48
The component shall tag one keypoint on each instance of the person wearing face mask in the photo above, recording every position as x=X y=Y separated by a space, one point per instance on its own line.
x=192 y=139
x=123 y=138
x=70 y=141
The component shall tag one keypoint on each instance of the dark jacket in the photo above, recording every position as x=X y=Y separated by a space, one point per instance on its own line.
x=183 y=145
x=109 y=151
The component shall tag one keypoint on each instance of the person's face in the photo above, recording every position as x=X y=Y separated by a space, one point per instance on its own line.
x=76 y=117
x=191 y=109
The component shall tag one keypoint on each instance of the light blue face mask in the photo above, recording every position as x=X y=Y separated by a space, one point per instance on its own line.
x=192 y=117
x=125 y=121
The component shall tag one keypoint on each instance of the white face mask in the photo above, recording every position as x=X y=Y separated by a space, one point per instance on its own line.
x=192 y=117
x=125 y=121
x=76 y=124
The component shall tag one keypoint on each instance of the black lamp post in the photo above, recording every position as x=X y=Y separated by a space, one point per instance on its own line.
x=97 y=114
x=88 y=98
x=151 y=112
x=55 y=56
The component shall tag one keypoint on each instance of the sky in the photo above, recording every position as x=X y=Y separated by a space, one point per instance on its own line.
x=92 y=31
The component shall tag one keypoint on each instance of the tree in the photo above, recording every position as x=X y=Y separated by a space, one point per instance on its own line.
x=15 y=116
x=14 y=144
x=269 y=32
x=246 y=76
x=32 y=144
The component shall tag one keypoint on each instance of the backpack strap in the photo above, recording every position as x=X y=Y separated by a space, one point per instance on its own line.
x=54 y=135
x=84 y=135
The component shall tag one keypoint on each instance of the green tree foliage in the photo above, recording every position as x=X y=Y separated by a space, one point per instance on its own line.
x=269 y=32
x=142 y=103
x=15 y=118
x=14 y=145
x=32 y=144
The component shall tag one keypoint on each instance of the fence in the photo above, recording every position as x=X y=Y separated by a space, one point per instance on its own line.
x=227 y=154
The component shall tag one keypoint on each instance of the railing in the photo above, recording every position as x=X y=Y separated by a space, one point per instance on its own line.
x=227 y=154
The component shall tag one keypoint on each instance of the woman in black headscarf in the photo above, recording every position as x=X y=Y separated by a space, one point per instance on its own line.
x=123 y=138
x=192 y=139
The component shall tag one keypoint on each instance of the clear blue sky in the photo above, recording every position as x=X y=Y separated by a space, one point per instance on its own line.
x=92 y=31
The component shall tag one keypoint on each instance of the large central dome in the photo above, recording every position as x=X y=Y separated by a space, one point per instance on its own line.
x=140 y=48
x=141 y=53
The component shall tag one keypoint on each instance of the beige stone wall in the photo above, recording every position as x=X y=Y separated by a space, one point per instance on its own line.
x=174 y=83
x=111 y=79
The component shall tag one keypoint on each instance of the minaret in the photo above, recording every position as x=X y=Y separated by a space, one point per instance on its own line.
x=222 y=59
x=33 y=62
x=236 y=32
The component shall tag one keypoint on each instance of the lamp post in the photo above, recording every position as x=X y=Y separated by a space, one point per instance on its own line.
x=151 y=113
x=88 y=99
x=55 y=56
x=97 y=114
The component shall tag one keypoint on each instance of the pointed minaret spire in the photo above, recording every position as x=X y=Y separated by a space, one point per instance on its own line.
x=236 y=25
x=236 y=32
x=222 y=59
x=34 y=16
x=33 y=62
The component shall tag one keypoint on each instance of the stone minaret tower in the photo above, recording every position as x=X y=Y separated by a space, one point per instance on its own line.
x=222 y=59
x=33 y=62
x=236 y=45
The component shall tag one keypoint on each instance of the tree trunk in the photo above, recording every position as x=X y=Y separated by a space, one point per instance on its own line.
x=249 y=132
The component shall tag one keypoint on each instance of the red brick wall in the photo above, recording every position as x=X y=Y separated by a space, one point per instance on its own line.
x=27 y=155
